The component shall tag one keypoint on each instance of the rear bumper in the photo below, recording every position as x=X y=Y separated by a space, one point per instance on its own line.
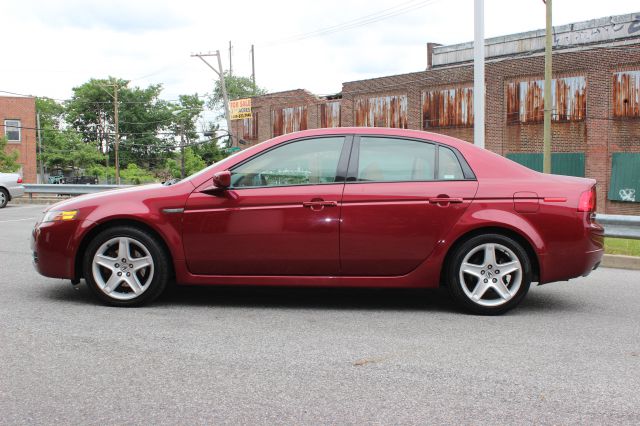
x=16 y=191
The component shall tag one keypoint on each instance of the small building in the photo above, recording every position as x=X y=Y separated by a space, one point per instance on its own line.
x=595 y=93
x=18 y=126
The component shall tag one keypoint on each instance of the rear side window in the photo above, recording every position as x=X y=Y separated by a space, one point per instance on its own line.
x=394 y=160
x=448 y=165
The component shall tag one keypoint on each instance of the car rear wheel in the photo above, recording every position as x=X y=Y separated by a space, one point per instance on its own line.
x=126 y=266
x=489 y=274
x=4 y=198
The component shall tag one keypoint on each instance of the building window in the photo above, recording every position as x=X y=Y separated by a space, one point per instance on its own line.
x=386 y=111
x=288 y=120
x=12 y=130
x=250 y=127
x=330 y=114
x=447 y=108
x=525 y=100
x=626 y=94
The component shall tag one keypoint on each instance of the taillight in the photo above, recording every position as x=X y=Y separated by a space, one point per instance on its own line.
x=587 y=201
x=19 y=180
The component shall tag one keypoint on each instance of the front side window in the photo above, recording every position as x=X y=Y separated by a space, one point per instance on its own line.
x=394 y=160
x=305 y=162
x=12 y=130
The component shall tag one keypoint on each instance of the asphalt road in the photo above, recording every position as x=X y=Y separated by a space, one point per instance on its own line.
x=570 y=354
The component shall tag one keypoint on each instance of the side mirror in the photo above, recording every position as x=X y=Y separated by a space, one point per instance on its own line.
x=222 y=179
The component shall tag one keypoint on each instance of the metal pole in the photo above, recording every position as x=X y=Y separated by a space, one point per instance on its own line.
x=117 y=144
x=224 y=96
x=548 y=103
x=478 y=74
x=40 y=148
x=230 y=60
x=253 y=66
x=181 y=153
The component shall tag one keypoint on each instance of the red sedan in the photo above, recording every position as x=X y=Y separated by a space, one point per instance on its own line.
x=344 y=207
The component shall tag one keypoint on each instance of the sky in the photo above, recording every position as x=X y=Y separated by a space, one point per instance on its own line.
x=52 y=46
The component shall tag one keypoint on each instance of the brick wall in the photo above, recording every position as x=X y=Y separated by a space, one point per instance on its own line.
x=23 y=109
x=598 y=135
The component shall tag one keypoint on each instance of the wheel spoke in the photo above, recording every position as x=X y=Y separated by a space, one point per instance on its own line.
x=123 y=248
x=479 y=291
x=140 y=262
x=509 y=267
x=106 y=261
x=112 y=283
x=134 y=283
x=471 y=269
x=502 y=290
x=490 y=254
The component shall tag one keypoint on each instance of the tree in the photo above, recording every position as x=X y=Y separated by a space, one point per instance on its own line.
x=67 y=151
x=238 y=87
x=8 y=161
x=192 y=163
x=135 y=175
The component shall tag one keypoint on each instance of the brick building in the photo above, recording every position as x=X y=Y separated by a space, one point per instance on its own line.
x=17 y=125
x=595 y=92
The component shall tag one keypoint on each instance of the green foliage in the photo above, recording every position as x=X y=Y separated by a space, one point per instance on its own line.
x=238 y=87
x=8 y=161
x=622 y=246
x=135 y=175
x=192 y=163
x=66 y=150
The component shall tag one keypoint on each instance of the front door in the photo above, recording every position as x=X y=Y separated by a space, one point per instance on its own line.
x=401 y=197
x=279 y=217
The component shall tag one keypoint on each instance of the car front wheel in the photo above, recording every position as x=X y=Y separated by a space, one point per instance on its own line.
x=489 y=274
x=126 y=266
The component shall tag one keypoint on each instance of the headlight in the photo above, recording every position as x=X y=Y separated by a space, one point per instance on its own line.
x=57 y=215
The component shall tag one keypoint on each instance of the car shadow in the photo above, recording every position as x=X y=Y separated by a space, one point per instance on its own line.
x=432 y=300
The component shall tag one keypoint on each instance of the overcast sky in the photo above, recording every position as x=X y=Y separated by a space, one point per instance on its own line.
x=52 y=46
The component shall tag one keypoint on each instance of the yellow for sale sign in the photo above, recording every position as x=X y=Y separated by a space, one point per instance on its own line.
x=240 y=108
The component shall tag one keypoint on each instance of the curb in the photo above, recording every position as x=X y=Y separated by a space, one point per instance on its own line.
x=620 y=261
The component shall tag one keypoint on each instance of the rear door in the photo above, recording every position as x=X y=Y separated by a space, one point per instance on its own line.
x=401 y=197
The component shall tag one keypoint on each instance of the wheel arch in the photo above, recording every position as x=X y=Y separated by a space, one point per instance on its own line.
x=86 y=239
x=518 y=237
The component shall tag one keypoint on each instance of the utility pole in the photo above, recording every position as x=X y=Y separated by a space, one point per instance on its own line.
x=253 y=66
x=222 y=86
x=181 y=152
x=478 y=74
x=548 y=103
x=117 y=144
x=230 y=60
x=40 y=147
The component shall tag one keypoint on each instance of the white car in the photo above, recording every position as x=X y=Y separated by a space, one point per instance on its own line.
x=10 y=187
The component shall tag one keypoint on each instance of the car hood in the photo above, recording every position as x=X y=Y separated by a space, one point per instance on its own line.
x=88 y=200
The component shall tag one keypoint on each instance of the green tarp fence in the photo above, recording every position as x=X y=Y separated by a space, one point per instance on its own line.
x=625 y=177
x=562 y=163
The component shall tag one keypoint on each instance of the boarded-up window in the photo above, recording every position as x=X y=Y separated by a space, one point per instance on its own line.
x=447 y=108
x=250 y=127
x=386 y=111
x=330 y=114
x=625 y=177
x=288 y=120
x=562 y=163
x=525 y=100
x=626 y=94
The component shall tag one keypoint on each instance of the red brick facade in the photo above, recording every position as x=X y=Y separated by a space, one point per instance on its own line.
x=598 y=135
x=24 y=110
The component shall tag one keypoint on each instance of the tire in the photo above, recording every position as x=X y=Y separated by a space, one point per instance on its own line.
x=4 y=198
x=137 y=281
x=489 y=274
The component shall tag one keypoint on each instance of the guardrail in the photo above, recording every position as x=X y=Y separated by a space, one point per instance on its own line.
x=70 y=189
x=618 y=226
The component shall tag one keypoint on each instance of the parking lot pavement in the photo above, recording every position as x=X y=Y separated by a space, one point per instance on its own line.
x=570 y=354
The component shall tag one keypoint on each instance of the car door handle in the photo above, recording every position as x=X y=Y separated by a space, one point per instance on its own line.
x=317 y=205
x=443 y=200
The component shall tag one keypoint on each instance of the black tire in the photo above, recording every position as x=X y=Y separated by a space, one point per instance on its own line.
x=142 y=245
x=493 y=300
x=4 y=198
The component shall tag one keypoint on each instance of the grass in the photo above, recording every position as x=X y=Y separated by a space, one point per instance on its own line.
x=622 y=246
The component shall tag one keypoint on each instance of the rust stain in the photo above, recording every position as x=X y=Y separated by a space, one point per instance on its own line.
x=250 y=127
x=447 y=108
x=626 y=94
x=386 y=111
x=525 y=100
x=330 y=114
x=289 y=120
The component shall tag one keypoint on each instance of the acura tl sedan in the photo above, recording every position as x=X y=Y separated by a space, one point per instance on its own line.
x=343 y=207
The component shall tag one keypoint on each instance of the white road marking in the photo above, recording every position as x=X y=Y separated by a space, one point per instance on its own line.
x=17 y=220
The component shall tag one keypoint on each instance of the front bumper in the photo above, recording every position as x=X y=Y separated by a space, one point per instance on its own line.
x=54 y=246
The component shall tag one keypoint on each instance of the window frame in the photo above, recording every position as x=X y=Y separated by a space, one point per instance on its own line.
x=19 y=127
x=352 y=171
x=341 y=168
